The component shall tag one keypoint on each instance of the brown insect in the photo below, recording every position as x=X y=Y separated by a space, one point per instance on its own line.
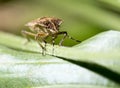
x=45 y=27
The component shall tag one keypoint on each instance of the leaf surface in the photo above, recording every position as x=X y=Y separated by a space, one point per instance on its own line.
x=94 y=63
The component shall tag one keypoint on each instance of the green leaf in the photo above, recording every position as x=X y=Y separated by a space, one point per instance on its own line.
x=113 y=4
x=92 y=12
x=94 y=63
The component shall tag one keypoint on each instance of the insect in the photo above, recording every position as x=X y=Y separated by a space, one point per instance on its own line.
x=45 y=27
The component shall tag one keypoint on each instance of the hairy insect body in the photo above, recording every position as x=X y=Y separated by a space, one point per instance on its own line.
x=45 y=27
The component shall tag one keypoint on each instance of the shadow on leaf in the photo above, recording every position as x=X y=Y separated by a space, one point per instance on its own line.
x=96 y=68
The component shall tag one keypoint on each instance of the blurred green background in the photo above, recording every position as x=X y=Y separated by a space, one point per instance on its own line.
x=81 y=18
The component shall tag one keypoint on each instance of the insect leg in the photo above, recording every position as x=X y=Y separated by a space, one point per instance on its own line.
x=66 y=35
x=38 y=38
x=45 y=46
x=53 y=43
x=27 y=35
